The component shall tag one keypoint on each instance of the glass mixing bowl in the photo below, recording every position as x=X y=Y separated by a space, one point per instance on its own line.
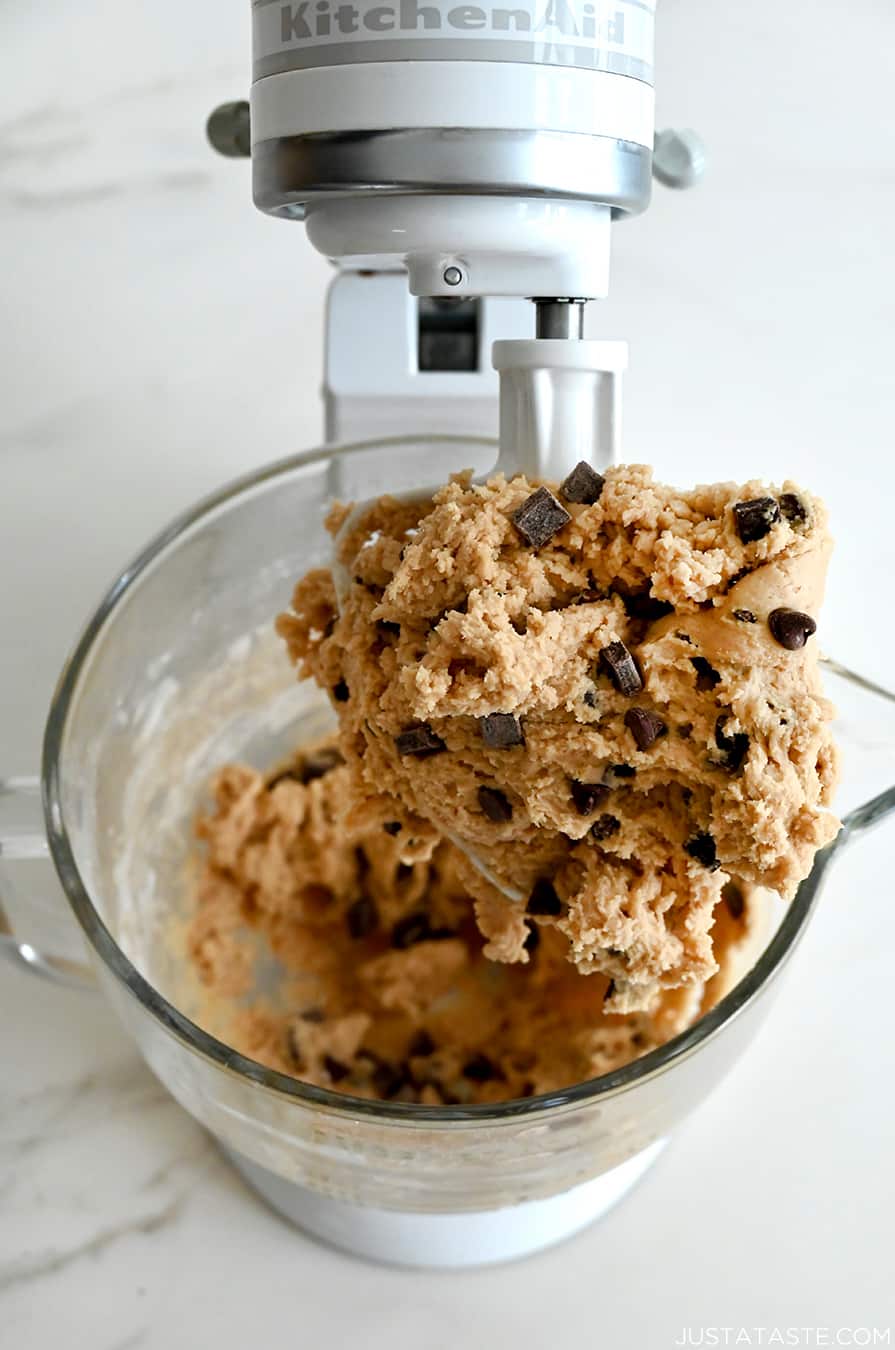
x=178 y=671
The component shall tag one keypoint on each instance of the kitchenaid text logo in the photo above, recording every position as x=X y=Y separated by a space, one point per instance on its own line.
x=324 y=18
x=614 y=36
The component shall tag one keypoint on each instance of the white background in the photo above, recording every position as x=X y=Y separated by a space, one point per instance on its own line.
x=158 y=336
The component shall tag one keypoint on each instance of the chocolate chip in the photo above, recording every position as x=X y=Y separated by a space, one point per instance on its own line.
x=590 y=697
x=792 y=508
x=754 y=518
x=318 y=764
x=410 y=930
x=645 y=607
x=341 y=692
x=543 y=899
x=419 y=740
x=422 y=1044
x=733 y=899
x=621 y=668
x=583 y=485
x=392 y=827
x=644 y=726
x=501 y=731
x=533 y=941
x=362 y=917
x=706 y=675
x=495 y=805
x=481 y=1069
x=540 y=517
x=744 y=615
x=588 y=796
x=702 y=848
x=335 y=1068
x=735 y=747
x=605 y=827
x=791 y=628
x=386 y=626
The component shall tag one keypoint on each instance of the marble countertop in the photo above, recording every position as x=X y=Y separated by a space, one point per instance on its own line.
x=159 y=337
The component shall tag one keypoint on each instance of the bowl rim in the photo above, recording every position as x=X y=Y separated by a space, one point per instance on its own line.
x=209 y=1047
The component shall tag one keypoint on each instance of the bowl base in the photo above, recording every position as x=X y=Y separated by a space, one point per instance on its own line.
x=445 y=1241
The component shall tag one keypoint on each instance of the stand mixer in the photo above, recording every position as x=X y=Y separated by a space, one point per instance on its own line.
x=457 y=162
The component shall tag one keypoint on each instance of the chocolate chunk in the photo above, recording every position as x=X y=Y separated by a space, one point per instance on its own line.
x=388 y=1080
x=335 y=1068
x=645 y=607
x=620 y=771
x=362 y=917
x=735 y=747
x=644 y=726
x=410 y=930
x=495 y=805
x=744 y=615
x=392 y=827
x=481 y=1069
x=621 y=668
x=702 y=848
x=419 y=740
x=386 y=626
x=605 y=827
x=341 y=692
x=583 y=485
x=706 y=675
x=543 y=899
x=320 y=763
x=791 y=628
x=733 y=899
x=753 y=519
x=533 y=941
x=792 y=508
x=501 y=731
x=540 y=517
x=588 y=796
x=422 y=1044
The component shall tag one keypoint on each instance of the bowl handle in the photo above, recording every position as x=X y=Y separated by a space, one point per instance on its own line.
x=43 y=915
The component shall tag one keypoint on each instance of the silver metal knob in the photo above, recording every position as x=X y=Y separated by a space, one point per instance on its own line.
x=229 y=129
x=678 y=158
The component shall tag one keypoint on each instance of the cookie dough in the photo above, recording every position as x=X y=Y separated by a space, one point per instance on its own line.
x=606 y=691
x=324 y=955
